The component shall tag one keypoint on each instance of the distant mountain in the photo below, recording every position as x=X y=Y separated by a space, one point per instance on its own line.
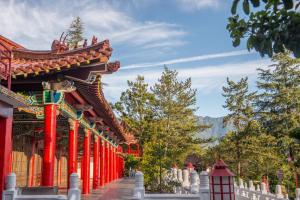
x=216 y=130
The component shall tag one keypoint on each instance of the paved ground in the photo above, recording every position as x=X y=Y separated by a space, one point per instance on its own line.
x=117 y=190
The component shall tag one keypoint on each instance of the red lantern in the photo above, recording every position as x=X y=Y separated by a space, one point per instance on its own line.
x=221 y=182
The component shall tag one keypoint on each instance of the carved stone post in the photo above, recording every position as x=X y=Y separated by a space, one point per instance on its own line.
x=74 y=192
x=297 y=194
x=241 y=183
x=139 y=190
x=194 y=185
x=278 y=191
x=263 y=188
x=179 y=175
x=251 y=186
x=204 y=186
x=10 y=187
x=186 y=182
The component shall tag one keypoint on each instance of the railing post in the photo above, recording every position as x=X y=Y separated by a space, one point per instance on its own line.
x=174 y=174
x=179 y=175
x=241 y=183
x=10 y=191
x=263 y=188
x=194 y=185
x=257 y=188
x=186 y=182
x=74 y=192
x=204 y=186
x=139 y=190
x=297 y=194
x=278 y=191
x=251 y=186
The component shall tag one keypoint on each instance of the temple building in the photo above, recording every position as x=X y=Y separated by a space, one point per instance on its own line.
x=54 y=118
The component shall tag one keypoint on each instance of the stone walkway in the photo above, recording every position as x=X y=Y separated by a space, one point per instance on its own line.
x=120 y=189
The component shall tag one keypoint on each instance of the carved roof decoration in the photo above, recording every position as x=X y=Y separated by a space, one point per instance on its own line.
x=27 y=62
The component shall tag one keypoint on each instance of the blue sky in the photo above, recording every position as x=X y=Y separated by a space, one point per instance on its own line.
x=187 y=35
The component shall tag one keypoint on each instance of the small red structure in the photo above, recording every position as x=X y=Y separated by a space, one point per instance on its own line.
x=221 y=182
x=190 y=166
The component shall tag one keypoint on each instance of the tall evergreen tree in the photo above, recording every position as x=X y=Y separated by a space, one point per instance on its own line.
x=135 y=109
x=239 y=104
x=279 y=104
x=75 y=32
x=175 y=104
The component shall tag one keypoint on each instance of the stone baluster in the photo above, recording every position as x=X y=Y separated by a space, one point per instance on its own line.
x=297 y=194
x=241 y=183
x=10 y=191
x=179 y=175
x=251 y=186
x=245 y=185
x=186 y=182
x=278 y=191
x=204 y=186
x=194 y=185
x=139 y=190
x=174 y=174
x=74 y=192
x=263 y=188
x=257 y=188
x=286 y=196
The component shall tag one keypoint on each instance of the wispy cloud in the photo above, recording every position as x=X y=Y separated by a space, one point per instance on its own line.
x=188 y=59
x=192 y=5
x=35 y=25
x=207 y=79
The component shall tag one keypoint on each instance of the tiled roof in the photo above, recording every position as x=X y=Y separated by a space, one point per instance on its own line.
x=32 y=63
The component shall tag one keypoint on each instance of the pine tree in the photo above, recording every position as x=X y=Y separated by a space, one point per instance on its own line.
x=175 y=104
x=163 y=120
x=135 y=109
x=278 y=104
x=75 y=32
x=239 y=104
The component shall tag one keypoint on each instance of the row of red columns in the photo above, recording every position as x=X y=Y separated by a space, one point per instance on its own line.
x=108 y=164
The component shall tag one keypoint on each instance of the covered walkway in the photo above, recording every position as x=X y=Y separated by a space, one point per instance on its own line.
x=117 y=190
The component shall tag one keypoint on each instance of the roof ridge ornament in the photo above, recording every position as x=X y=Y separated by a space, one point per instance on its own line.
x=59 y=46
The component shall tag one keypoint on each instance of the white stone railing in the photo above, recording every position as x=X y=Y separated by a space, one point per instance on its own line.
x=190 y=189
x=250 y=192
x=11 y=192
x=197 y=187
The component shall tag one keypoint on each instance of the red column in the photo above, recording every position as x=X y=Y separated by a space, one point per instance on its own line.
x=86 y=162
x=110 y=163
x=96 y=162
x=102 y=161
x=129 y=149
x=73 y=147
x=32 y=162
x=107 y=162
x=138 y=149
x=115 y=163
x=5 y=150
x=49 y=145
